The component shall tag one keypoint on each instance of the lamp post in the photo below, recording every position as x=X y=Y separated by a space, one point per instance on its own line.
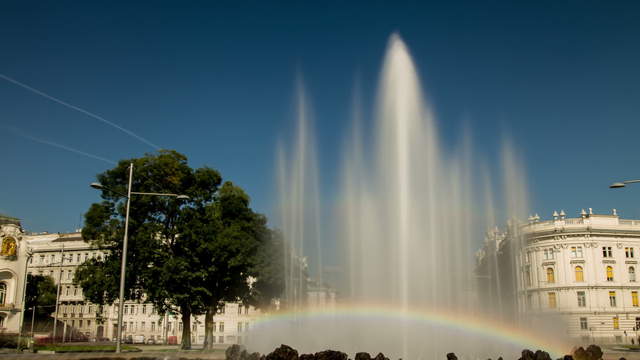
x=621 y=184
x=123 y=266
x=29 y=254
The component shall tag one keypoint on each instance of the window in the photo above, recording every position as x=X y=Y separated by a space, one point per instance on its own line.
x=221 y=339
x=144 y=309
x=609 y=273
x=221 y=327
x=126 y=309
x=153 y=326
x=194 y=327
x=86 y=256
x=41 y=259
x=78 y=257
x=73 y=323
x=579 y=274
x=583 y=323
x=552 y=300
x=239 y=327
x=68 y=289
x=75 y=291
x=142 y=326
x=124 y=326
x=606 y=252
x=637 y=323
x=214 y=327
x=246 y=310
x=53 y=258
x=69 y=274
x=632 y=274
x=550 y=276
x=582 y=299
x=529 y=302
x=576 y=251
x=88 y=323
x=80 y=323
x=634 y=298
x=616 y=323
x=239 y=309
x=180 y=326
x=612 y=298
x=628 y=252
x=548 y=254
x=3 y=293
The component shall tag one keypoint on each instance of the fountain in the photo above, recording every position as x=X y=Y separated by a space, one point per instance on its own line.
x=410 y=218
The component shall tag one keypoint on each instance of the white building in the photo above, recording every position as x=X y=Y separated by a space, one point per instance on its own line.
x=12 y=267
x=58 y=256
x=583 y=269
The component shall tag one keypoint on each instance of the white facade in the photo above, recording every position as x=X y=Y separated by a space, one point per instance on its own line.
x=586 y=271
x=12 y=265
x=58 y=256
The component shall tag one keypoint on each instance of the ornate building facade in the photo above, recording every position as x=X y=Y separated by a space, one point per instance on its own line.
x=12 y=268
x=58 y=256
x=580 y=270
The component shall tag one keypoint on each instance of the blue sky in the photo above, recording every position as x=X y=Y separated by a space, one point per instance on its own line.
x=215 y=80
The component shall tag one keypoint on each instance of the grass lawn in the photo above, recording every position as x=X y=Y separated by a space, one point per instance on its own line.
x=84 y=348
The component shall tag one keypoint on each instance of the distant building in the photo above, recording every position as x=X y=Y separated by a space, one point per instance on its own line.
x=320 y=295
x=58 y=256
x=582 y=270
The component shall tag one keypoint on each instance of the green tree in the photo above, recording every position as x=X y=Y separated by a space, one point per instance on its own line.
x=160 y=267
x=233 y=234
x=41 y=293
x=269 y=271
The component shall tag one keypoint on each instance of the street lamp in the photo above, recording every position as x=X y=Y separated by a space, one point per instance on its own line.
x=621 y=184
x=124 y=242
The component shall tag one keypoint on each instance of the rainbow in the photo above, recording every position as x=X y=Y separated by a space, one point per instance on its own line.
x=468 y=323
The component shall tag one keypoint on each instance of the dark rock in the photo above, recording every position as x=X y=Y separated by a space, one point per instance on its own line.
x=307 y=357
x=542 y=355
x=380 y=356
x=330 y=355
x=363 y=356
x=233 y=352
x=580 y=354
x=284 y=352
x=567 y=357
x=622 y=358
x=452 y=356
x=254 y=356
x=527 y=355
x=500 y=358
x=594 y=352
x=244 y=355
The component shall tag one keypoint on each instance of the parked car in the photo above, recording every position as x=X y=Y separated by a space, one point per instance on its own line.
x=138 y=339
x=151 y=341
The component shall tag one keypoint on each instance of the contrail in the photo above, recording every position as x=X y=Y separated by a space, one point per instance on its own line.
x=97 y=117
x=60 y=146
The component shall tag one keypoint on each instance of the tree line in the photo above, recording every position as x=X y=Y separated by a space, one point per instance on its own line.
x=186 y=256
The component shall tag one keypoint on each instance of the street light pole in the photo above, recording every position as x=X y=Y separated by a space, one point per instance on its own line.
x=123 y=267
x=55 y=317
x=24 y=294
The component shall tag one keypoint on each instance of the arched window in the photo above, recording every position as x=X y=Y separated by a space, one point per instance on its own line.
x=632 y=274
x=550 y=276
x=579 y=274
x=3 y=293
x=609 y=273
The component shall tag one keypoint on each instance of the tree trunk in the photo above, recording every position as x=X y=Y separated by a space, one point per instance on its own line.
x=186 y=327
x=208 y=327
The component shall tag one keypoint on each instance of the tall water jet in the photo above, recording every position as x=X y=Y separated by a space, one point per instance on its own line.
x=409 y=216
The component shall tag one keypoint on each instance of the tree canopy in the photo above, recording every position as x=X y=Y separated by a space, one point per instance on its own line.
x=186 y=256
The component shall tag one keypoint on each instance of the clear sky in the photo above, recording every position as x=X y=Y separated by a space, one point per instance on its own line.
x=215 y=81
